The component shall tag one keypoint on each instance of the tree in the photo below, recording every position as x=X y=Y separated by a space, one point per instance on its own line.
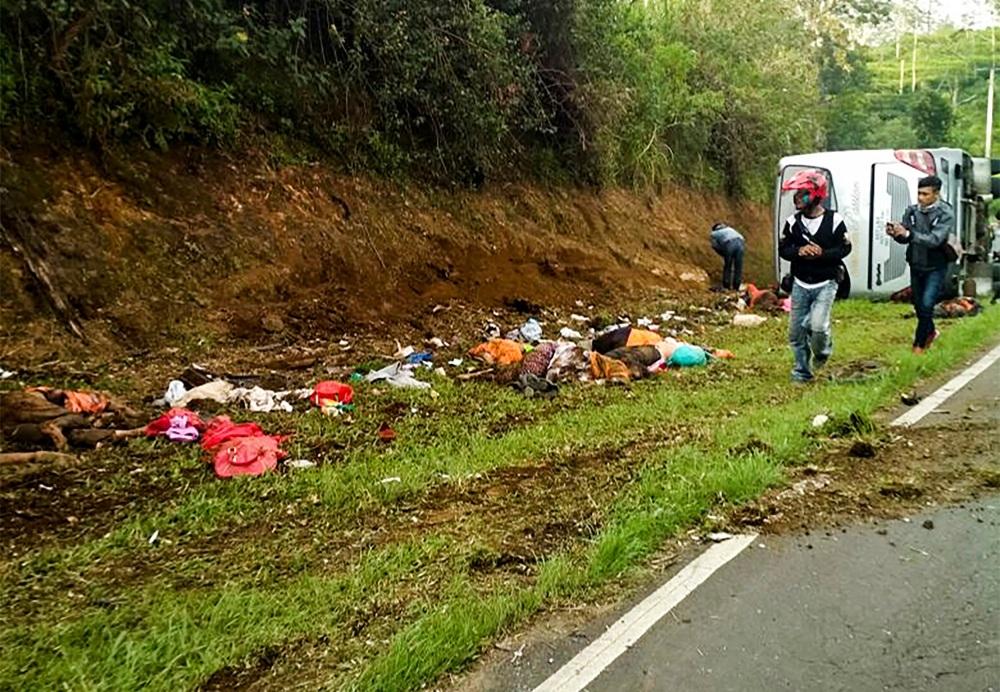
x=932 y=117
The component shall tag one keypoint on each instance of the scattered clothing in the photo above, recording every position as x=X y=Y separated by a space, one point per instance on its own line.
x=640 y=360
x=686 y=356
x=957 y=307
x=398 y=375
x=93 y=403
x=498 y=352
x=216 y=390
x=625 y=336
x=604 y=368
x=248 y=456
x=537 y=361
x=262 y=400
x=221 y=429
x=531 y=385
x=177 y=425
x=419 y=357
x=568 y=362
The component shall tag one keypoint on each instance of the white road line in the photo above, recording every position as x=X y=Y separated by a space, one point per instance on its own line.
x=589 y=663
x=941 y=395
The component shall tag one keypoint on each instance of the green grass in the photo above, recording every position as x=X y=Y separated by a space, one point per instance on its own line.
x=677 y=439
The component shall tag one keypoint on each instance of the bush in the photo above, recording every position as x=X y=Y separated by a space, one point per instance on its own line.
x=603 y=91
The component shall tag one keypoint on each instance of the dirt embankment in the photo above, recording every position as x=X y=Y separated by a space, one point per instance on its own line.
x=180 y=246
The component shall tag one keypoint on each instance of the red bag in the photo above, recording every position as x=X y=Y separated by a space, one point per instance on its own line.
x=331 y=391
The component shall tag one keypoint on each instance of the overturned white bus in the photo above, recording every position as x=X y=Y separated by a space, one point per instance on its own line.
x=871 y=187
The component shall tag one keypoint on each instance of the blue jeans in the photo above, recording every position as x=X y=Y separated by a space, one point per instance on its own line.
x=926 y=286
x=809 y=327
x=732 y=266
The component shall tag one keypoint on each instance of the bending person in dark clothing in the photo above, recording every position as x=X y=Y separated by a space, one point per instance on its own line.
x=730 y=244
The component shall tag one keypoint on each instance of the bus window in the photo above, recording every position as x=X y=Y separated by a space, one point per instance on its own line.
x=786 y=207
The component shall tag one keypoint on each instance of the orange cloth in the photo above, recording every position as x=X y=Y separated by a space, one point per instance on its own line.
x=763 y=298
x=643 y=337
x=498 y=352
x=723 y=353
x=74 y=401
x=604 y=368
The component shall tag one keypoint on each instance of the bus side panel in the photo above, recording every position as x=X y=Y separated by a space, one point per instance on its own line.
x=893 y=190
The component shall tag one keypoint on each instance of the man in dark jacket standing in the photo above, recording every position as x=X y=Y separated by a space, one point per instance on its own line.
x=815 y=241
x=730 y=244
x=925 y=229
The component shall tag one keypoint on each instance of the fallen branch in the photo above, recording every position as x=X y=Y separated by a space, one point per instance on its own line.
x=28 y=457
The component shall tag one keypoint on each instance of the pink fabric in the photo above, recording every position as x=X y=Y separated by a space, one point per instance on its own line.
x=177 y=424
x=248 y=456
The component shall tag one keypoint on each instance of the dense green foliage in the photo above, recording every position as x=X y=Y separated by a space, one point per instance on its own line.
x=871 y=102
x=600 y=91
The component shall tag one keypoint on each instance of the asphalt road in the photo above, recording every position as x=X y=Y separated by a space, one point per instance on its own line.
x=913 y=609
x=899 y=605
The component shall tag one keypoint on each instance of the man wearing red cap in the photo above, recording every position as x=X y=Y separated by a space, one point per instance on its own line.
x=815 y=241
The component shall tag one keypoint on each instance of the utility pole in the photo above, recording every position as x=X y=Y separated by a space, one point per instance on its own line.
x=901 y=65
x=989 y=114
x=988 y=149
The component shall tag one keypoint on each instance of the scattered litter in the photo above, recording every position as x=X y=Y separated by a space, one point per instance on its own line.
x=928 y=524
x=262 y=400
x=455 y=362
x=402 y=352
x=332 y=397
x=154 y=537
x=531 y=330
x=910 y=398
x=398 y=375
x=644 y=322
x=719 y=536
x=568 y=333
x=579 y=318
x=343 y=342
x=386 y=433
x=419 y=358
x=743 y=319
x=435 y=342
x=820 y=420
x=440 y=372
x=300 y=464
x=216 y=390
x=806 y=485
x=175 y=390
x=391 y=479
x=6 y=374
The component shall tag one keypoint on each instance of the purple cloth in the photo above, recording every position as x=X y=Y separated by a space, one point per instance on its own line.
x=181 y=430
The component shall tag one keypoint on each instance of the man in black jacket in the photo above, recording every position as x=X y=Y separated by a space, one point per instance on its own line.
x=925 y=230
x=815 y=241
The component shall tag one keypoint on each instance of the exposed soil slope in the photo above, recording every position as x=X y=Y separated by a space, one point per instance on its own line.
x=173 y=246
